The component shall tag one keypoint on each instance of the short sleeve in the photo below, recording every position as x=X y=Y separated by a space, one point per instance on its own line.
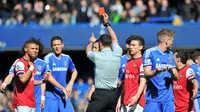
x=173 y=61
x=71 y=65
x=117 y=49
x=147 y=61
x=12 y=70
x=190 y=74
x=142 y=71
x=19 y=68
x=47 y=61
x=91 y=55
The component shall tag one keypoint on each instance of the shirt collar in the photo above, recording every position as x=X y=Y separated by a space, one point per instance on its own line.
x=106 y=49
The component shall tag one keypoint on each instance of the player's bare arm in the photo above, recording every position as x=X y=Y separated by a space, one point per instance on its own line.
x=71 y=82
x=90 y=92
x=149 y=73
x=118 y=106
x=6 y=82
x=141 y=87
x=195 y=88
x=43 y=89
x=110 y=30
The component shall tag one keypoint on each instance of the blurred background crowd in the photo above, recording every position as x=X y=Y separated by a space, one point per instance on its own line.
x=48 y=12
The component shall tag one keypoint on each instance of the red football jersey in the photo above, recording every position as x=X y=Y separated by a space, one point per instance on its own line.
x=133 y=71
x=183 y=90
x=24 y=92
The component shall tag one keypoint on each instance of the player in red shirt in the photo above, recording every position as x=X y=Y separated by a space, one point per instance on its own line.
x=186 y=87
x=24 y=100
x=132 y=97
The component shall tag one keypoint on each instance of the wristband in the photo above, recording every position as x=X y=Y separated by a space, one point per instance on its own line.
x=31 y=68
x=90 y=42
x=42 y=97
x=4 y=84
x=106 y=24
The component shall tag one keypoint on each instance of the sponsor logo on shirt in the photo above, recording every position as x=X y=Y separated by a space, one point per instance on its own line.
x=59 y=69
x=177 y=87
x=130 y=76
x=54 y=64
x=159 y=65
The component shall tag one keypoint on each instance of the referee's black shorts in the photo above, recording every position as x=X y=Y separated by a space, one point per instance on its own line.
x=103 y=100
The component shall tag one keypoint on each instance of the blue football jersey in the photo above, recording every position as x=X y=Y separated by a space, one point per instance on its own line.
x=196 y=69
x=40 y=70
x=123 y=61
x=58 y=67
x=159 y=87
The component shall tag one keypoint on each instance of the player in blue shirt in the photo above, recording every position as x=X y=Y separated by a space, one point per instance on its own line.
x=194 y=63
x=59 y=63
x=123 y=61
x=160 y=69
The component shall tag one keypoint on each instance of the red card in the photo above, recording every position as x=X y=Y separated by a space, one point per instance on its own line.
x=101 y=11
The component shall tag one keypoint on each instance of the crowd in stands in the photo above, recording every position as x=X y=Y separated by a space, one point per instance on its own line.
x=78 y=96
x=48 y=12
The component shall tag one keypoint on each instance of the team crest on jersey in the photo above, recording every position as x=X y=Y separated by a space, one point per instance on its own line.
x=180 y=75
x=134 y=65
x=169 y=60
x=39 y=67
x=65 y=63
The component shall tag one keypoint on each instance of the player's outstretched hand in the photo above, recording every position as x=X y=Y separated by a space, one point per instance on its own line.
x=2 y=87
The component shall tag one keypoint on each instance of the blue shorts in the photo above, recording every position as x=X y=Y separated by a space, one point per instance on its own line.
x=55 y=105
x=167 y=106
x=37 y=109
x=196 y=104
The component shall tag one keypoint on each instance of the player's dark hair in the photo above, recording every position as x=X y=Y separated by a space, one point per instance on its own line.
x=195 y=55
x=138 y=38
x=106 y=40
x=56 y=38
x=33 y=40
x=183 y=55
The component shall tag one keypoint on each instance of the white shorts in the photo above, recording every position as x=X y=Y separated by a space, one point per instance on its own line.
x=24 y=109
x=134 y=108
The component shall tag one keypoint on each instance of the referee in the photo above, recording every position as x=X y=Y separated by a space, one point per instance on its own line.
x=107 y=64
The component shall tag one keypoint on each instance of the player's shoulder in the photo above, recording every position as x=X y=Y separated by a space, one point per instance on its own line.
x=150 y=50
x=20 y=63
x=65 y=55
x=124 y=57
x=49 y=55
x=22 y=60
x=40 y=60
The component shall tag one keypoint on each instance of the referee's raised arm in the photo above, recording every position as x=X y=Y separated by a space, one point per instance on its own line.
x=110 y=30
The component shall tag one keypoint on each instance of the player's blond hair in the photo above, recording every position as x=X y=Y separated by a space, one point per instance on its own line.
x=165 y=34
